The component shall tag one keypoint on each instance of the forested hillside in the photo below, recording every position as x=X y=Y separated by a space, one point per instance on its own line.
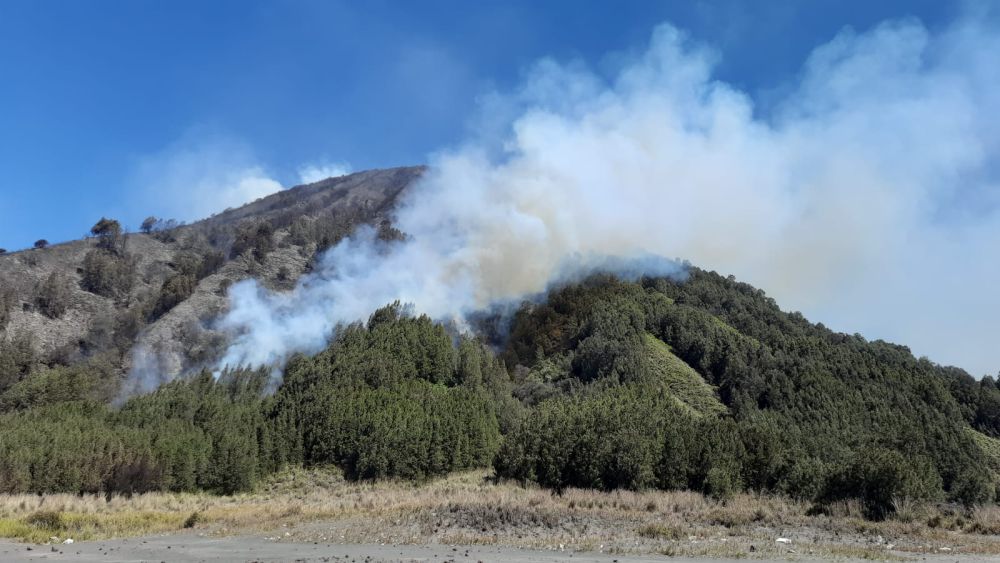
x=702 y=383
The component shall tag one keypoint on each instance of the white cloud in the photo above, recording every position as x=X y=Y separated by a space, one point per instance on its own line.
x=199 y=176
x=316 y=172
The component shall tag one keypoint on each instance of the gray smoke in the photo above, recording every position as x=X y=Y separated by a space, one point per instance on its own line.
x=866 y=196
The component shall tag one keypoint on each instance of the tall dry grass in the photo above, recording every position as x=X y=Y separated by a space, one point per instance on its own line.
x=469 y=508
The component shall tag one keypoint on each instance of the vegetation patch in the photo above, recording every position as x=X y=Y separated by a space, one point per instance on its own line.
x=683 y=382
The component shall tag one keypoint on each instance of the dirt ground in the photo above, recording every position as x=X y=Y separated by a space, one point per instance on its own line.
x=195 y=547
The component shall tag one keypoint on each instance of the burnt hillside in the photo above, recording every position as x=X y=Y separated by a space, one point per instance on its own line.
x=95 y=299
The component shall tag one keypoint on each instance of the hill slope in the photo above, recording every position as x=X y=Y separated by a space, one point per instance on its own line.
x=160 y=288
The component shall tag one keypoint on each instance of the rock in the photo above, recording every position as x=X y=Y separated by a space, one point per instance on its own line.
x=68 y=541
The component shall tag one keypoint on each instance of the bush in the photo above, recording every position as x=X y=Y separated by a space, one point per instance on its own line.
x=256 y=238
x=46 y=520
x=802 y=477
x=17 y=359
x=8 y=297
x=41 y=243
x=53 y=296
x=192 y=521
x=175 y=289
x=107 y=274
x=972 y=487
x=882 y=477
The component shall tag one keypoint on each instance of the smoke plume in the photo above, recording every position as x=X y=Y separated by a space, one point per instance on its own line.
x=200 y=174
x=866 y=195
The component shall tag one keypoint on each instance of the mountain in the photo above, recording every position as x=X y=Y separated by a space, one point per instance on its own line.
x=77 y=301
x=695 y=381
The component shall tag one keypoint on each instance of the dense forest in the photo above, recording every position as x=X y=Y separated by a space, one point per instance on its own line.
x=701 y=384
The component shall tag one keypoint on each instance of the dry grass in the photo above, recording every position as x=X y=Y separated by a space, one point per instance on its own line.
x=467 y=508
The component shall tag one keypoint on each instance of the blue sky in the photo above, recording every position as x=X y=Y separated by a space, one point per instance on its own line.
x=99 y=98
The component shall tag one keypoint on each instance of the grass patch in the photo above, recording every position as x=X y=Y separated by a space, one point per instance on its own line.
x=684 y=383
x=990 y=447
x=732 y=330
x=661 y=532
x=19 y=530
x=40 y=526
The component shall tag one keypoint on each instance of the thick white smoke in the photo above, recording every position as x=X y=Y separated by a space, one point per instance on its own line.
x=866 y=196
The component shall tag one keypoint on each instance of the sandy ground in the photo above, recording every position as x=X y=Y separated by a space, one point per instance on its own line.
x=194 y=547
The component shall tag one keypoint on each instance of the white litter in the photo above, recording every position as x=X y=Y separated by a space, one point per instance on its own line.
x=68 y=541
x=783 y=540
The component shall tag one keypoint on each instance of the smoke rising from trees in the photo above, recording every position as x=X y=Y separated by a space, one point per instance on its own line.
x=865 y=196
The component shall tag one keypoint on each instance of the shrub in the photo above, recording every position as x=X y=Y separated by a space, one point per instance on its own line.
x=46 y=519
x=256 y=238
x=107 y=274
x=7 y=299
x=53 y=296
x=192 y=521
x=41 y=243
x=882 y=477
x=661 y=532
x=175 y=289
x=972 y=487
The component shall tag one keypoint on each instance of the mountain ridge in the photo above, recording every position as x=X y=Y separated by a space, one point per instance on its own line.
x=304 y=220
